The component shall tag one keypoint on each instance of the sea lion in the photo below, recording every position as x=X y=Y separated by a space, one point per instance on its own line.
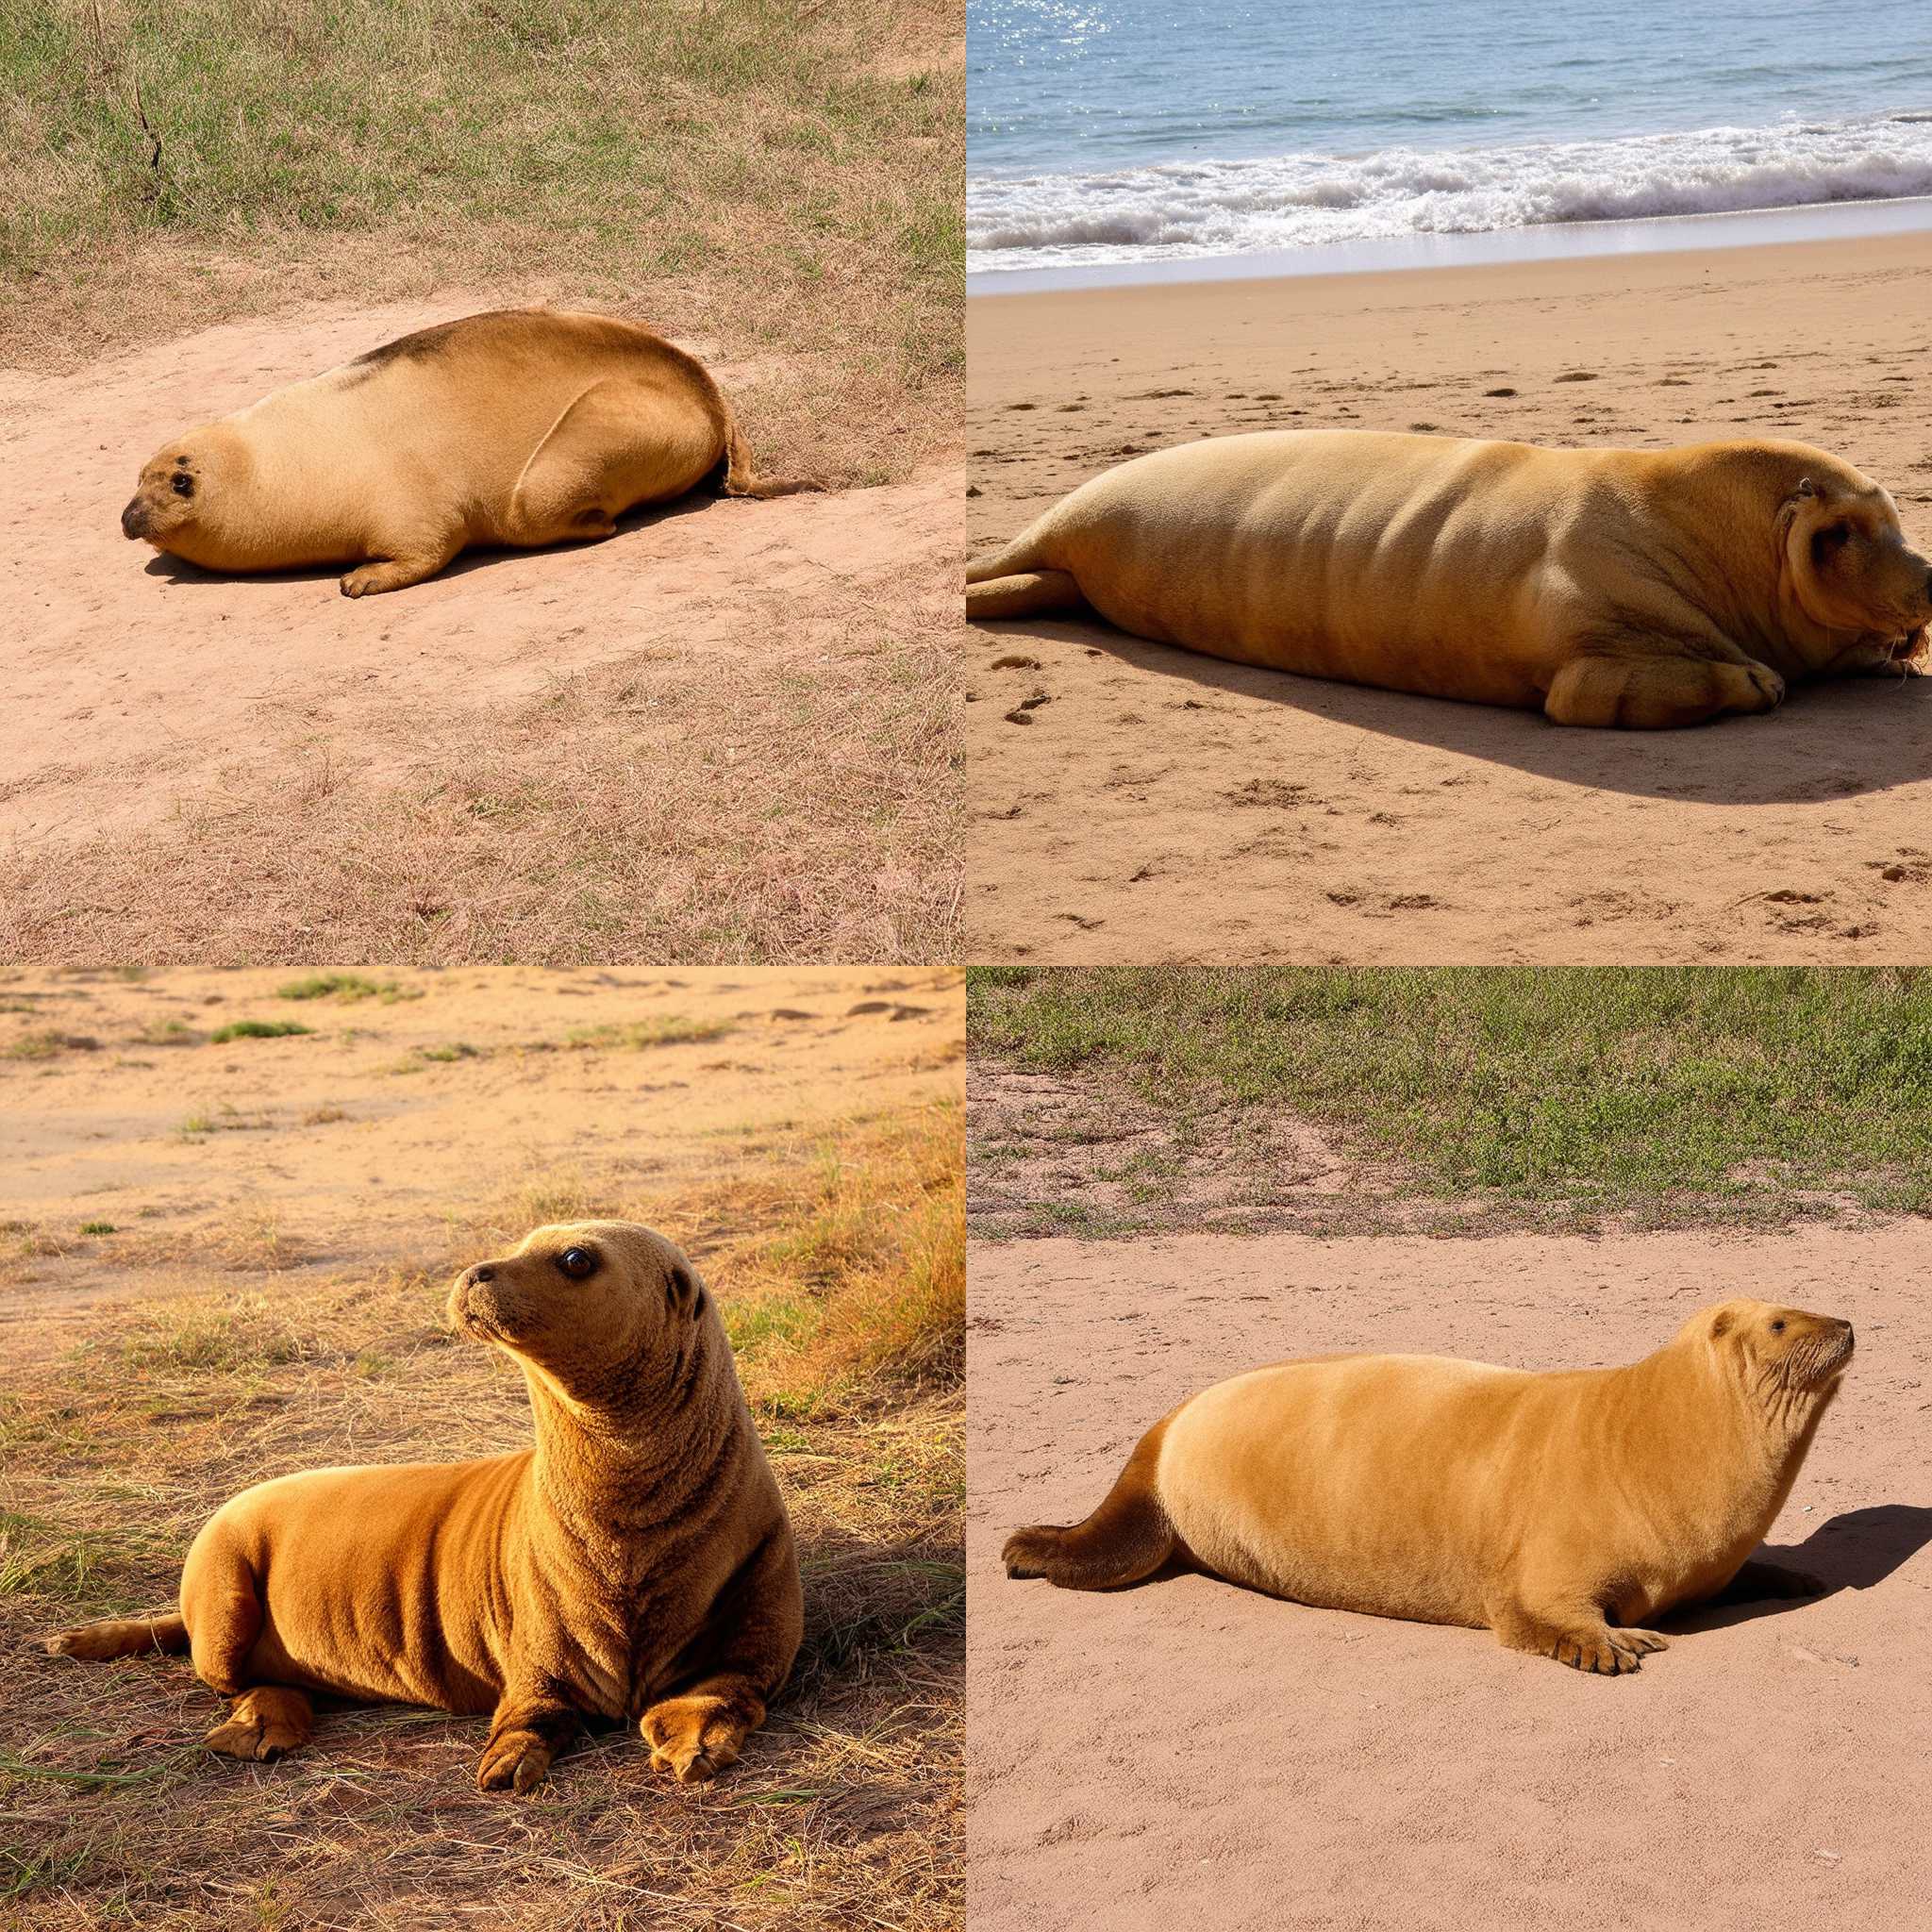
x=522 y=426
x=635 y=1563
x=1638 y=587
x=1559 y=1511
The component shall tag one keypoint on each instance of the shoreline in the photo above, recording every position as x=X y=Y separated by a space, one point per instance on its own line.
x=1843 y=221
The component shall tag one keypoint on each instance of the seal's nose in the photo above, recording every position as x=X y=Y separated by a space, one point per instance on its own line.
x=133 y=523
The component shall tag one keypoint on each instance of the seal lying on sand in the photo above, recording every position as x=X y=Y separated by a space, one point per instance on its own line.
x=522 y=426
x=1560 y=1511
x=1637 y=588
x=635 y=1564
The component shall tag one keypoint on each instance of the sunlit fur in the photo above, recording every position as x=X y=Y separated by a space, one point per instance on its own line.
x=518 y=427
x=1604 y=587
x=1560 y=1510
x=634 y=1563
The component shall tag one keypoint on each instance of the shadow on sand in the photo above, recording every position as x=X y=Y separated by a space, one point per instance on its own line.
x=1829 y=741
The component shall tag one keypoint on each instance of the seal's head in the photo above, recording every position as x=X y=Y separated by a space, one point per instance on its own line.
x=1786 y=1360
x=600 y=1309
x=171 y=495
x=1850 y=571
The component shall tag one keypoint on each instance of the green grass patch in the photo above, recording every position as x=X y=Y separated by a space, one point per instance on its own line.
x=1649 y=1091
x=346 y=988
x=672 y=1029
x=45 y=1559
x=749 y=163
x=259 y=1029
x=48 y=1045
x=98 y=1228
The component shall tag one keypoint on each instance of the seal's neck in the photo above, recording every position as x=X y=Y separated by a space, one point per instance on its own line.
x=638 y=1448
x=1686 y=1392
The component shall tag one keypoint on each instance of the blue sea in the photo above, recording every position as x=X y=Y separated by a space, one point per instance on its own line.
x=1163 y=131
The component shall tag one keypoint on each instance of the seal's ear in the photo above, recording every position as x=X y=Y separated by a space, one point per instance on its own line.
x=1805 y=487
x=686 y=1290
x=1720 y=1324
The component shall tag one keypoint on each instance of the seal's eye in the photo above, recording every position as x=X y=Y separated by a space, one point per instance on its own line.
x=184 y=486
x=1777 y=1327
x=1831 y=539
x=578 y=1263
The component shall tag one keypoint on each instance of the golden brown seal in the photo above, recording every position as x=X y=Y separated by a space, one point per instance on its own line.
x=1639 y=587
x=521 y=426
x=635 y=1563
x=1559 y=1511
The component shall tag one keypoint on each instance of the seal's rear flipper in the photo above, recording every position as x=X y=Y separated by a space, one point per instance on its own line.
x=124 y=1636
x=1024 y=596
x=740 y=479
x=1127 y=1538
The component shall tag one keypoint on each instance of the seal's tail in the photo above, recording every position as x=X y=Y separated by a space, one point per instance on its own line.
x=1127 y=1538
x=742 y=479
x=124 y=1636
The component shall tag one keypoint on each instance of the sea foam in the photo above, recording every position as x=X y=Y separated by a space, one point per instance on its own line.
x=1305 y=200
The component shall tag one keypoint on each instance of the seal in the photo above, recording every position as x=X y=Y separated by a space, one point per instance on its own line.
x=1560 y=1511
x=635 y=1564
x=1604 y=587
x=522 y=426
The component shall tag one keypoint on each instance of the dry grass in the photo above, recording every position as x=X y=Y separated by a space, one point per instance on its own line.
x=775 y=178
x=721 y=809
x=839 y=1268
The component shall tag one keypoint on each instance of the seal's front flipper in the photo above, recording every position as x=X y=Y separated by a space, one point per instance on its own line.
x=524 y=1735
x=1585 y=1642
x=396 y=574
x=755 y=1628
x=1663 y=693
x=268 y=1721
x=1024 y=596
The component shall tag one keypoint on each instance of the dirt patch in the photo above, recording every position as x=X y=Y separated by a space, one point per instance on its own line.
x=1367 y=1772
x=1052 y=1155
x=750 y=702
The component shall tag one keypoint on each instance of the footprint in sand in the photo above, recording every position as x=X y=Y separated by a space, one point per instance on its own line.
x=1577 y=375
x=1013 y=661
x=1499 y=392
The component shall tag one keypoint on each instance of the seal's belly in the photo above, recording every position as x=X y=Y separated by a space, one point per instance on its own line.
x=1414 y=591
x=1348 y=1485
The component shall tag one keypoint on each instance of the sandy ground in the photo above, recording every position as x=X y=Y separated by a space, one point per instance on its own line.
x=137 y=687
x=1158 y=804
x=350 y=1147
x=1186 y=1753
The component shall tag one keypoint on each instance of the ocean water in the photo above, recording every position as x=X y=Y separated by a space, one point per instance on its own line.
x=1120 y=131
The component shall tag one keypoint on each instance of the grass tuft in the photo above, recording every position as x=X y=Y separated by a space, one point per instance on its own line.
x=348 y=988
x=259 y=1029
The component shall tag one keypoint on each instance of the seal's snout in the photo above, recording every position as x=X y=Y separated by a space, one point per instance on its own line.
x=134 y=519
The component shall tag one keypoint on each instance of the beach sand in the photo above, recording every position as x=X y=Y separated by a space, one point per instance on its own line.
x=1157 y=804
x=1194 y=1754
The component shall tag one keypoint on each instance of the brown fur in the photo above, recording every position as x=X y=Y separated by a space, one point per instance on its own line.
x=1559 y=1511
x=1635 y=588
x=636 y=1563
x=518 y=427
